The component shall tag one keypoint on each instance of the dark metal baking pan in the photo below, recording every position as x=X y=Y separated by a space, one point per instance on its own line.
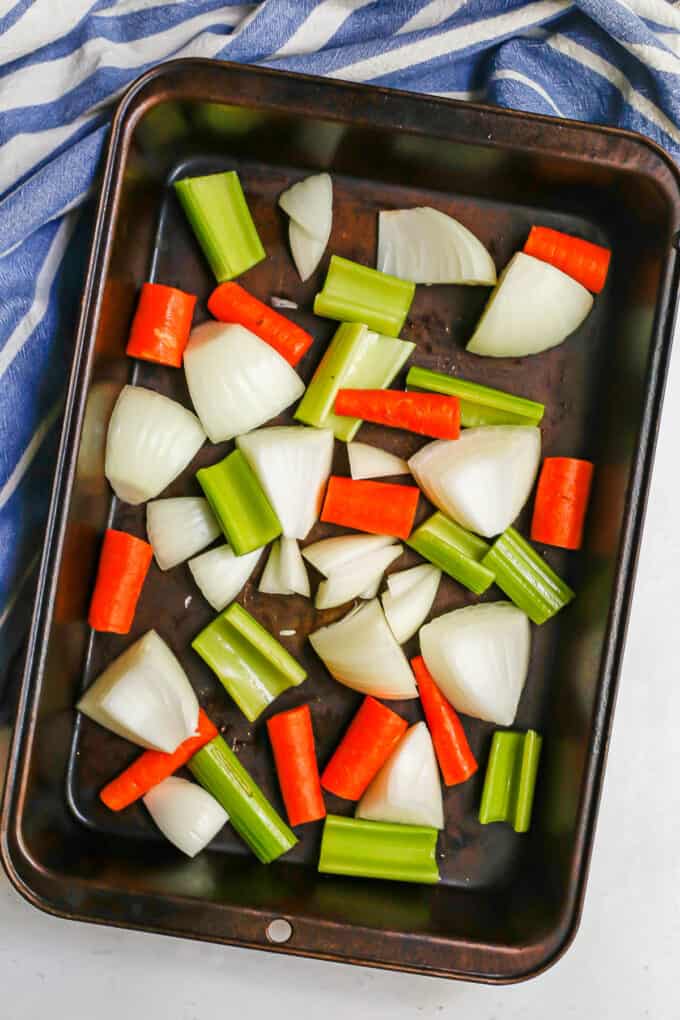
x=507 y=905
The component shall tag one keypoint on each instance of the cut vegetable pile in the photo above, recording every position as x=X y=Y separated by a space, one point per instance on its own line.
x=282 y=511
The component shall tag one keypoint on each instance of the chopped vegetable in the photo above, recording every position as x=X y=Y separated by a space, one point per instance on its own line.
x=427 y=246
x=454 y=550
x=355 y=293
x=306 y=250
x=92 y=452
x=179 y=528
x=237 y=382
x=367 y=461
x=407 y=789
x=144 y=696
x=361 y=652
x=351 y=580
x=220 y=574
x=283 y=302
x=423 y=413
x=526 y=578
x=123 y=565
x=292 y=465
x=533 y=307
x=217 y=211
x=561 y=502
x=250 y=663
x=150 y=441
x=402 y=853
x=309 y=203
x=239 y=503
x=230 y=302
x=161 y=326
x=285 y=572
x=479 y=657
x=331 y=554
x=372 y=735
x=377 y=507
x=510 y=780
x=217 y=768
x=292 y=740
x=407 y=610
x=456 y=760
x=483 y=479
x=152 y=767
x=479 y=405
x=584 y=261
x=187 y=815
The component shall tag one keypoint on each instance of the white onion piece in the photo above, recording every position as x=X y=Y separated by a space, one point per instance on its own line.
x=220 y=574
x=292 y=464
x=367 y=461
x=292 y=568
x=306 y=250
x=360 y=652
x=402 y=581
x=92 y=451
x=270 y=582
x=479 y=657
x=282 y=302
x=372 y=590
x=427 y=246
x=144 y=696
x=407 y=611
x=150 y=441
x=309 y=203
x=348 y=582
x=236 y=381
x=534 y=307
x=407 y=789
x=330 y=554
x=187 y=815
x=179 y=528
x=483 y=479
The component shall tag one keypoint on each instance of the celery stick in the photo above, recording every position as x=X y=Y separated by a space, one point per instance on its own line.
x=355 y=293
x=250 y=663
x=526 y=578
x=356 y=358
x=217 y=211
x=479 y=405
x=239 y=503
x=454 y=550
x=217 y=768
x=403 y=853
x=510 y=779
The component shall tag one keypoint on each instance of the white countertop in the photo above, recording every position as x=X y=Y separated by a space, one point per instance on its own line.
x=622 y=964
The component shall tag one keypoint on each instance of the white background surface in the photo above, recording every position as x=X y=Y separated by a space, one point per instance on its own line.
x=621 y=966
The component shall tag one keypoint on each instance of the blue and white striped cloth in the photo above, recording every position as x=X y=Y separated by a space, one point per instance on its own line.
x=64 y=62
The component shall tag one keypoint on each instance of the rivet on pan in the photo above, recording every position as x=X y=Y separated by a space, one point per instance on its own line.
x=279 y=931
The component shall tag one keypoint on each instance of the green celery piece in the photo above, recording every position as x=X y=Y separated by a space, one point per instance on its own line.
x=355 y=293
x=356 y=358
x=454 y=550
x=229 y=121
x=403 y=853
x=250 y=663
x=217 y=211
x=217 y=768
x=526 y=578
x=510 y=780
x=479 y=405
x=239 y=503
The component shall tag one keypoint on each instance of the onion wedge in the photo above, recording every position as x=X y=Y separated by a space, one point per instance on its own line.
x=92 y=451
x=351 y=580
x=187 y=815
x=220 y=574
x=483 y=479
x=367 y=461
x=479 y=658
x=407 y=789
x=534 y=307
x=284 y=573
x=309 y=203
x=427 y=246
x=407 y=608
x=331 y=554
x=306 y=250
x=179 y=528
x=360 y=652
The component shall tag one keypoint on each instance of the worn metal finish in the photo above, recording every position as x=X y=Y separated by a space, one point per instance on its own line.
x=508 y=905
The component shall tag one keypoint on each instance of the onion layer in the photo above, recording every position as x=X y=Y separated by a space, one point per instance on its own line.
x=407 y=789
x=354 y=578
x=427 y=246
x=407 y=609
x=187 y=815
x=179 y=528
x=367 y=461
x=220 y=574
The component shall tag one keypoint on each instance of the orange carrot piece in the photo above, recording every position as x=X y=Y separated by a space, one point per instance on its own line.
x=292 y=740
x=456 y=760
x=381 y=508
x=152 y=767
x=373 y=734
x=428 y=414
x=123 y=564
x=232 y=303
x=561 y=502
x=161 y=326
x=584 y=261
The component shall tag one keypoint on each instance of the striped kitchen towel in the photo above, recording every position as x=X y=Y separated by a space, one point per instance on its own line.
x=64 y=62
